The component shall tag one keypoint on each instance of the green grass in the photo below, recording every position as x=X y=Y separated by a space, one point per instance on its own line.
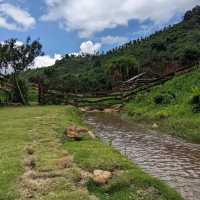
x=128 y=183
x=42 y=129
x=175 y=117
x=91 y=155
x=21 y=126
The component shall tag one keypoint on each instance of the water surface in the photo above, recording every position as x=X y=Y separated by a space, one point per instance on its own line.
x=170 y=159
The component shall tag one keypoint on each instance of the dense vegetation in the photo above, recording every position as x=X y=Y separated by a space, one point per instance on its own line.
x=163 y=52
x=15 y=59
x=174 y=106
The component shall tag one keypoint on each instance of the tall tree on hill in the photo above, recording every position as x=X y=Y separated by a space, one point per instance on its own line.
x=16 y=57
x=123 y=68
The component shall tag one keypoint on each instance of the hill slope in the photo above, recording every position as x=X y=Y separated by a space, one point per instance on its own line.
x=174 y=106
x=163 y=52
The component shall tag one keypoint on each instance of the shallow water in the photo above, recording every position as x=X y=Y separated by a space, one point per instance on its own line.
x=170 y=159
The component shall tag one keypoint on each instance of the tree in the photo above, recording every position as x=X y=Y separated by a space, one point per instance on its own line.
x=123 y=68
x=15 y=58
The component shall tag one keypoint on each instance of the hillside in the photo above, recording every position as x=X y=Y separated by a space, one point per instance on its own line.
x=163 y=52
x=172 y=107
x=172 y=47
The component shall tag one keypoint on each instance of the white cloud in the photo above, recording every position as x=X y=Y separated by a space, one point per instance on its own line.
x=5 y=24
x=109 y=40
x=45 y=61
x=15 y=18
x=19 y=43
x=91 y=16
x=89 y=48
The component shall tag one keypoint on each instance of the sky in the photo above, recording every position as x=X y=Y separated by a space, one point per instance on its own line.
x=86 y=26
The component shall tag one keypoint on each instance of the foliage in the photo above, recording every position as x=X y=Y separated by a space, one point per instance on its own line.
x=164 y=98
x=19 y=57
x=162 y=52
x=4 y=97
x=196 y=99
x=122 y=68
x=176 y=118
x=15 y=58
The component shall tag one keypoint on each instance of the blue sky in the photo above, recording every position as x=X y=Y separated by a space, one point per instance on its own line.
x=86 y=26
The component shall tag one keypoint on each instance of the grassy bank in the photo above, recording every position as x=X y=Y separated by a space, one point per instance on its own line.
x=36 y=162
x=169 y=106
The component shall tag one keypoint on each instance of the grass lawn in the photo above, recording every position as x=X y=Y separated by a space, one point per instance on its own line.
x=175 y=114
x=37 y=163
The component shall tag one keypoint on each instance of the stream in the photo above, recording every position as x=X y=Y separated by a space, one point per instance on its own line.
x=170 y=159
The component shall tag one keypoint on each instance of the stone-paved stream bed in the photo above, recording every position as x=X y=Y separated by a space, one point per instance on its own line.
x=165 y=157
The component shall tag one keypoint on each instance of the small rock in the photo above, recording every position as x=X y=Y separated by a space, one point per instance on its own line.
x=101 y=177
x=72 y=133
x=84 y=109
x=92 y=135
x=155 y=125
x=109 y=110
x=82 y=130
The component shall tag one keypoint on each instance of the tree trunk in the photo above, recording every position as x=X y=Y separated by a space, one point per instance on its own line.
x=19 y=89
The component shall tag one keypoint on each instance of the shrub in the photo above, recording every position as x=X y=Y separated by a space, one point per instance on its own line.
x=165 y=98
x=4 y=98
x=162 y=115
x=195 y=101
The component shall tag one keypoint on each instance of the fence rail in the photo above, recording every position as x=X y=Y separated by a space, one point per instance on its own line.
x=120 y=96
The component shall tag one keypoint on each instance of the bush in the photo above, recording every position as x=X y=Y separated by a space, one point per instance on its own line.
x=161 y=115
x=164 y=99
x=195 y=101
x=4 y=98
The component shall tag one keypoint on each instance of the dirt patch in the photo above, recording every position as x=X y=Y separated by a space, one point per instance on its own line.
x=39 y=180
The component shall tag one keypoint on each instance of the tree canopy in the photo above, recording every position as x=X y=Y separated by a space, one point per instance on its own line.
x=14 y=59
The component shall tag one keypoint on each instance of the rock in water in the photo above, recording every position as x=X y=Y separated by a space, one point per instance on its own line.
x=155 y=125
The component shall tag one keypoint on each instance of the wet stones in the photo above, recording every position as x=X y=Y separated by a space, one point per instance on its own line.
x=113 y=109
x=110 y=110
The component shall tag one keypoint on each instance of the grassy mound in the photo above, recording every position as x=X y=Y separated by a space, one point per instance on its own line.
x=171 y=106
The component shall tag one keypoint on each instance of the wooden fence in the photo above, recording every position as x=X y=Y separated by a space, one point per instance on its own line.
x=111 y=98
